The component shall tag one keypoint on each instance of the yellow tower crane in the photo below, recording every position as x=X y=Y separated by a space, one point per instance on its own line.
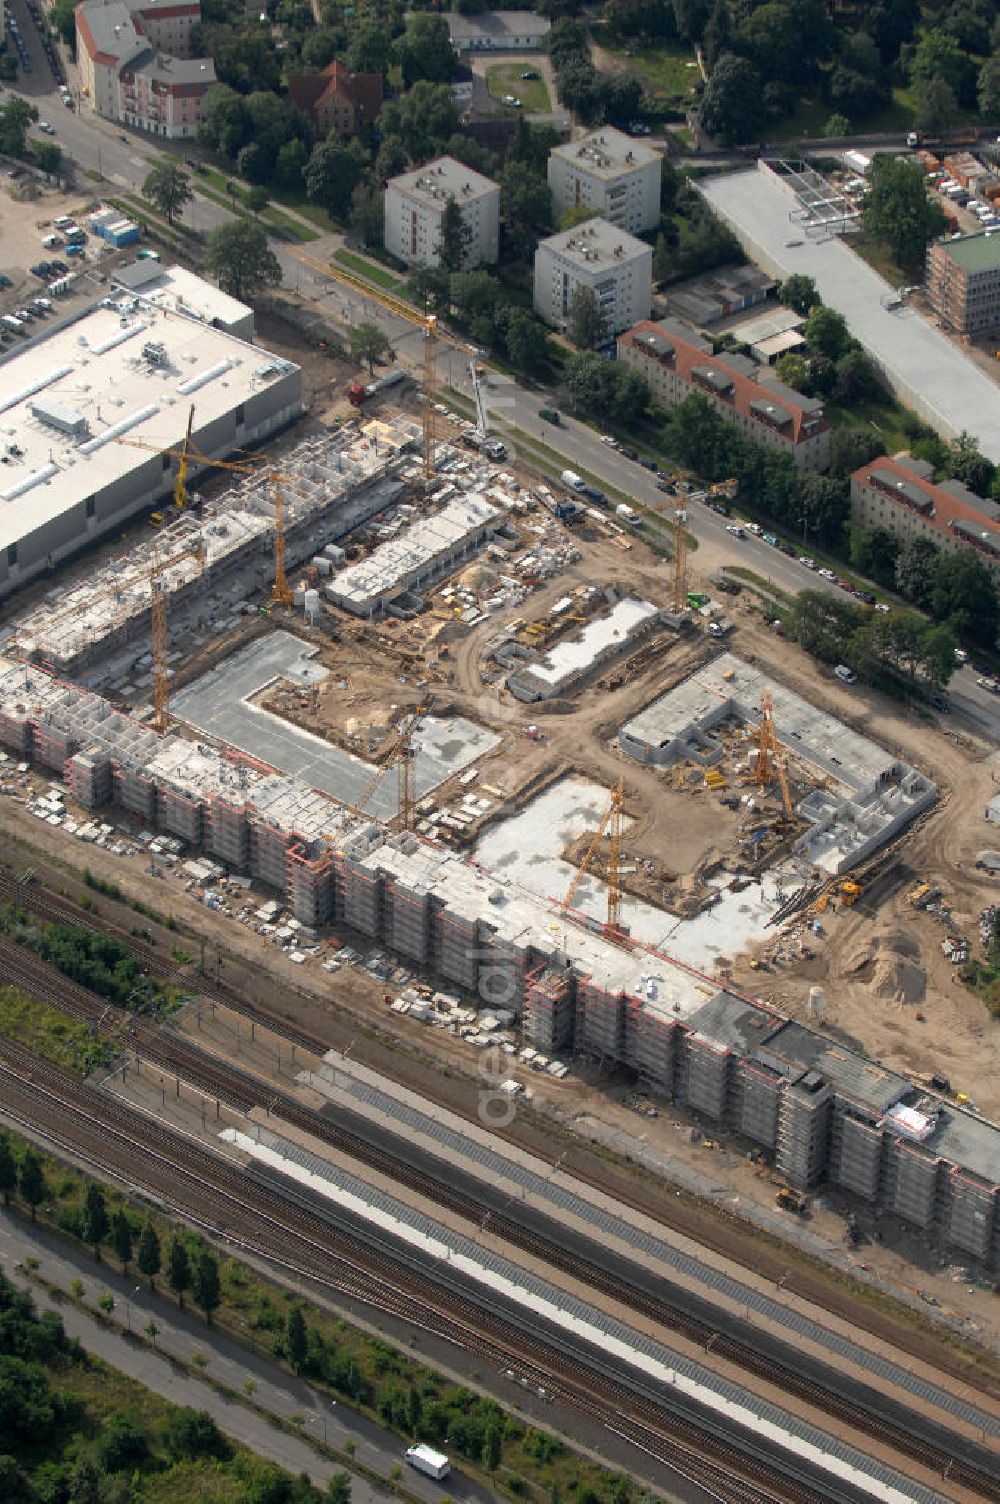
x=768 y=749
x=281 y=591
x=180 y=484
x=403 y=758
x=426 y=322
x=611 y=823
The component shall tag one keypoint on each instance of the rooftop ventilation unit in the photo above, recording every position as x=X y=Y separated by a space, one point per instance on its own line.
x=54 y=415
x=155 y=353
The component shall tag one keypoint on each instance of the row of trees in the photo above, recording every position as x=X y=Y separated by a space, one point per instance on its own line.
x=596 y=98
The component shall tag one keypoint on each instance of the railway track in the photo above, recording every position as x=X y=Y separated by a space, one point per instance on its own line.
x=219 y=1079
x=214 y=1192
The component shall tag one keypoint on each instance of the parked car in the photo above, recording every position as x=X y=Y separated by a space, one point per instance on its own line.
x=828 y=574
x=530 y=73
x=648 y=464
x=786 y=548
x=866 y=596
x=809 y=563
x=630 y=454
x=961 y=656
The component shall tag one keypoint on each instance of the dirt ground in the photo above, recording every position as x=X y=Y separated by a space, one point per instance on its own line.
x=23 y=223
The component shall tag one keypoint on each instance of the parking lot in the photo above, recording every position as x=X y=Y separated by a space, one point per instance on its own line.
x=24 y=225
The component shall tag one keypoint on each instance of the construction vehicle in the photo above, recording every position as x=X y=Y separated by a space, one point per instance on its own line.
x=358 y=395
x=791 y=1200
x=849 y=892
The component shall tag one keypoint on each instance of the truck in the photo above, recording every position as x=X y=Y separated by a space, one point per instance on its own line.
x=594 y=494
x=967 y=137
x=628 y=515
x=427 y=1461
x=359 y=394
x=574 y=481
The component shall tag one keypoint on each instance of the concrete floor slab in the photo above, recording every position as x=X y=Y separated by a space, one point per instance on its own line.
x=218 y=704
x=527 y=847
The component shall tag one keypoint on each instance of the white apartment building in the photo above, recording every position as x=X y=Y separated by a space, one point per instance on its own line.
x=611 y=174
x=415 y=203
x=617 y=267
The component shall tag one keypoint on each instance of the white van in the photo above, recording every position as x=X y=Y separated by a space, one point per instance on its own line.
x=844 y=674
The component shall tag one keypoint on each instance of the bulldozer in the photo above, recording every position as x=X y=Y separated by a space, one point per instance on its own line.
x=791 y=1200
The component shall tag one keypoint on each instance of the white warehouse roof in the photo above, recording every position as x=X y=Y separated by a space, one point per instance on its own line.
x=180 y=291
x=95 y=368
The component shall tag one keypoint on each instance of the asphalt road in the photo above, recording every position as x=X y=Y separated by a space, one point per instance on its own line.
x=182 y=1334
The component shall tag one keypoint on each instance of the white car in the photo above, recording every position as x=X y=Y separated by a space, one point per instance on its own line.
x=961 y=655
x=881 y=606
x=611 y=442
x=43 y=125
x=809 y=563
x=828 y=574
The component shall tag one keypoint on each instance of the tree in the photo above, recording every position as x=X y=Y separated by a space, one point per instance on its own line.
x=94 y=1222
x=424 y=51
x=937 y=107
x=967 y=464
x=206 y=1289
x=147 y=1257
x=938 y=654
x=178 y=1269
x=857 y=379
x=914 y=571
x=852 y=447
x=31 y=1181
x=963 y=595
x=223 y=122
x=123 y=1443
x=190 y=1434
x=366 y=217
x=296 y=1338
x=258 y=198
x=424 y=119
x=825 y=505
x=718 y=33
x=338 y=1489
x=875 y=553
x=938 y=56
x=898 y=211
x=166 y=185
x=455 y=240
x=368 y=342
x=792 y=369
x=414 y=1410
x=8 y=1170
x=732 y=107
x=799 y=292
x=290 y=164
x=526 y=341
x=431 y=288
x=525 y=210
x=15 y=117
x=476 y=297
x=369 y=48
x=121 y=1237
x=585 y=321
x=827 y=333
x=492 y=1448
x=988 y=89
x=240 y=259
x=48 y=156
x=333 y=172
x=85 y=1482
x=837 y=125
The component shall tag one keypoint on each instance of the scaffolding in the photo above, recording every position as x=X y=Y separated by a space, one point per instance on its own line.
x=704 y=1074
x=971 y=1213
x=915 y=1180
x=600 y=1021
x=758 y=1099
x=803 y=1130
x=855 y=1154
x=549 y=1008
x=650 y=1044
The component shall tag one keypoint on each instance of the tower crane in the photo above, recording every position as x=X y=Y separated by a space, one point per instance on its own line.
x=768 y=748
x=611 y=823
x=180 y=484
x=281 y=592
x=426 y=322
x=403 y=758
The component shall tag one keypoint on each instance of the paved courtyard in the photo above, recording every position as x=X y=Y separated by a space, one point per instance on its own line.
x=926 y=370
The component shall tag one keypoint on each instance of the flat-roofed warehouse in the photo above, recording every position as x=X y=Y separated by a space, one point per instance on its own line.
x=113 y=374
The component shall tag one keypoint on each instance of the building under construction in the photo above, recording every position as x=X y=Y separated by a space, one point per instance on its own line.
x=821 y=1109
x=863 y=797
x=331 y=484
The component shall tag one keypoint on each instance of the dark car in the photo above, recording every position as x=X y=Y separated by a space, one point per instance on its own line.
x=786 y=548
x=59 y=267
x=40 y=269
x=630 y=454
x=665 y=485
x=866 y=596
x=648 y=465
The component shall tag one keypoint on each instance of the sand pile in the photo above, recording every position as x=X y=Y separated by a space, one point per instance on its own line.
x=885 y=959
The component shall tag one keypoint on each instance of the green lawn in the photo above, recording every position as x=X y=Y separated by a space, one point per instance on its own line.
x=505 y=78
x=379 y=276
x=670 y=71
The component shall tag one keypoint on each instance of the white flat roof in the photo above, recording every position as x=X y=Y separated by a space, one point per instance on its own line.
x=394 y=562
x=575 y=654
x=596 y=242
x=180 y=291
x=444 y=178
x=606 y=153
x=95 y=367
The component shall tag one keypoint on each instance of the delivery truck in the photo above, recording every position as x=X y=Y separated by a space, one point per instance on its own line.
x=574 y=481
x=432 y=1464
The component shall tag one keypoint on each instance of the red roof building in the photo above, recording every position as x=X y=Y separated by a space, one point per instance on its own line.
x=336 y=99
x=902 y=496
x=675 y=361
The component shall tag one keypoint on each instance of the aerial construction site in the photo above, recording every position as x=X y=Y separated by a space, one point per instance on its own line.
x=395 y=711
